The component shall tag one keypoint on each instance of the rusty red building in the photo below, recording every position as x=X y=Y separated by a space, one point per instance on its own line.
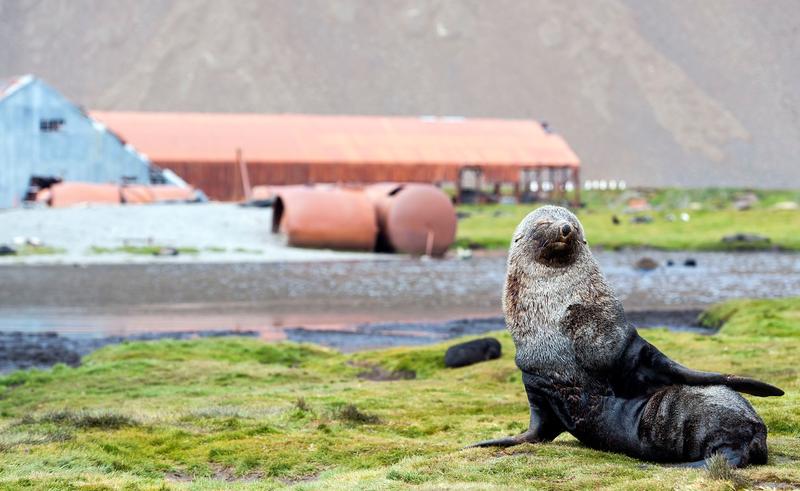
x=219 y=152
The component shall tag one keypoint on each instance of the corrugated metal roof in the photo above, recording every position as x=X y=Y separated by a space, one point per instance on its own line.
x=9 y=85
x=214 y=138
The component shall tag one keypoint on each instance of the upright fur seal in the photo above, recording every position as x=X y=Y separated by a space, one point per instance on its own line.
x=588 y=372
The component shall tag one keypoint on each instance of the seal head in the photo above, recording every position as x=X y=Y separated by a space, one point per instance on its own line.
x=551 y=236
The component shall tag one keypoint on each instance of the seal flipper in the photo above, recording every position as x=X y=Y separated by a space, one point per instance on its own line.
x=645 y=369
x=544 y=425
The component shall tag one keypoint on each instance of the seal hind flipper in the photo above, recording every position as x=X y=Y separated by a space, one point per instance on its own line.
x=645 y=369
x=752 y=386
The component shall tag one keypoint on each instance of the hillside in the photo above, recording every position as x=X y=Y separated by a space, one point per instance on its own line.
x=660 y=92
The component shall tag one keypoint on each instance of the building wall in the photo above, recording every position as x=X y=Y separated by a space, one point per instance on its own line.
x=223 y=181
x=42 y=133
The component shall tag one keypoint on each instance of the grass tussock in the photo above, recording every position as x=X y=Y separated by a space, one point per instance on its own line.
x=106 y=420
x=302 y=405
x=719 y=469
x=351 y=414
x=235 y=412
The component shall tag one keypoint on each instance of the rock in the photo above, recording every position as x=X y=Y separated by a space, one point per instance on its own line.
x=463 y=253
x=646 y=264
x=642 y=219
x=166 y=251
x=690 y=263
x=745 y=202
x=471 y=352
x=7 y=250
x=670 y=262
x=746 y=240
x=786 y=205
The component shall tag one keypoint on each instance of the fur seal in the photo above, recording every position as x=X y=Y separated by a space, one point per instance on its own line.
x=587 y=371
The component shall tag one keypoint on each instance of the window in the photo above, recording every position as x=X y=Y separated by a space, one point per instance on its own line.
x=50 y=125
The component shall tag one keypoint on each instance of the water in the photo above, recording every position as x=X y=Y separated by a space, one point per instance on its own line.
x=105 y=300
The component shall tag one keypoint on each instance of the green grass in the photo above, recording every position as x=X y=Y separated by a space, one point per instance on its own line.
x=215 y=249
x=237 y=413
x=29 y=250
x=711 y=218
x=245 y=250
x=148 y=250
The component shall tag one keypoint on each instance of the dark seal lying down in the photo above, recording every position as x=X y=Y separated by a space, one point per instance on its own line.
x=471 y=352
x=587 y=371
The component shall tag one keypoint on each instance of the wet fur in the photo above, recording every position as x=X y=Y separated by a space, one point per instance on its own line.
x=587 y=371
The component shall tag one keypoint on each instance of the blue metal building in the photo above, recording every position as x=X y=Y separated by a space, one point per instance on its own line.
x=44 y=134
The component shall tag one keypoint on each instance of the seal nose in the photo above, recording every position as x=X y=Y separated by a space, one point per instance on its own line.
x=566 y=230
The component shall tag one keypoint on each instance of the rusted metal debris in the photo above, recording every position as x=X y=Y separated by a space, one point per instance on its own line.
x=417 y=219
x=325 y=218
x=413 y=218
x=64 y=194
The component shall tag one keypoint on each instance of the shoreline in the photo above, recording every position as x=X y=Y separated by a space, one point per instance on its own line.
x=316 y=256
x=41 y=350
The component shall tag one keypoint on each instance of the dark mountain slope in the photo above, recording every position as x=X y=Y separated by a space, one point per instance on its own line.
x=657 y=92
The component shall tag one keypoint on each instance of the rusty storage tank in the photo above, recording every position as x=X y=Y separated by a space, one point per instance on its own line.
x=325 y=217
x=413 y=218
x=139 y=194
x=65 y=194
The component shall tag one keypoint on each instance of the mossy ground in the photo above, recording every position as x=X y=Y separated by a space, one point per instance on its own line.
x=491 y=226
x=238 y=413
x=147 y=250
x=29 y=250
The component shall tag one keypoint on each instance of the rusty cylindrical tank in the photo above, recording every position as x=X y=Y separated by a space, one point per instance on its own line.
x=320 y=217
x=66 y=194
x=140 y=194
x=413 y=218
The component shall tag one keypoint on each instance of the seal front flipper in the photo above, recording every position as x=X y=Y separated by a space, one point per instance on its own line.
x=544 y=425
x=644 y=369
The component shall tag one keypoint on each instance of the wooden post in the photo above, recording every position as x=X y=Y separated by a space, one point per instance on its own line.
x=248 y=192
x=539 y=185
x=459 y=180
x=576 y=181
